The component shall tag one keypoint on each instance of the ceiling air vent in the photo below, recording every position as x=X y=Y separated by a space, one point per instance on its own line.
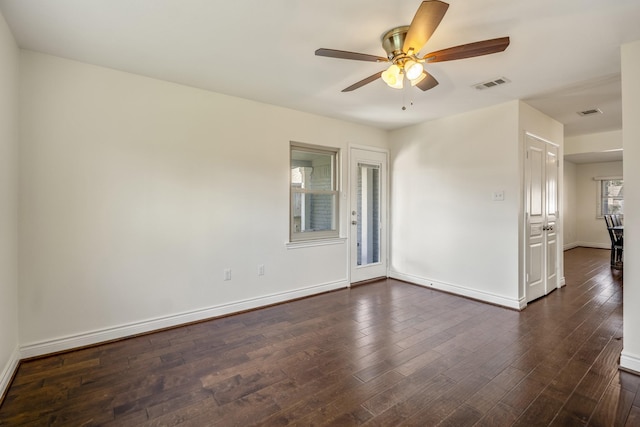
x=492 y=83
x=589 y=112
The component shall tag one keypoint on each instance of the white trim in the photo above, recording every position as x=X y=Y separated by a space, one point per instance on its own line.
x=630 y=362
x=594 y=245
x=562 y=283
x=582 y=244
x=607 y=178
x=9 y=369
x=369 y=148
x=122 y=331
x=517 y=304
x=533 y=135
x=317 y=242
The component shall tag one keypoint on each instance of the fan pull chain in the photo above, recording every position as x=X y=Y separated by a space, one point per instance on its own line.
x=404 y=107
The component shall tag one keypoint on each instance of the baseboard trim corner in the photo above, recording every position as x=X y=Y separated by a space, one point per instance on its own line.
x=463 y=291
x=594 y=245
x=630 y=362
x=61 y=344
x=8 y=372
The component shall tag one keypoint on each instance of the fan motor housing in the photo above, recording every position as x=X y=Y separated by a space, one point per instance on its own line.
x=393 y=40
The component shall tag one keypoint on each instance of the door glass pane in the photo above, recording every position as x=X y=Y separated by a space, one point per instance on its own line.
x=368 y=214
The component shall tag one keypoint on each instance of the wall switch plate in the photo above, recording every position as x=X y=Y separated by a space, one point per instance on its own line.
x=261 y=270
x=227 y=274
x=497 y=196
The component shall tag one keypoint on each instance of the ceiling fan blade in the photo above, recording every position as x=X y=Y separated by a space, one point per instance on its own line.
x=363 y=82
x=469 y=50
x=425 y=22
x=343 y=54
x=429 y=82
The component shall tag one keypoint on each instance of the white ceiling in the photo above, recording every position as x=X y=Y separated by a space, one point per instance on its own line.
x=564 y=54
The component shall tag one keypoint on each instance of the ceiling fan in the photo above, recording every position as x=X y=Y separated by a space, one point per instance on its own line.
x=403 y=45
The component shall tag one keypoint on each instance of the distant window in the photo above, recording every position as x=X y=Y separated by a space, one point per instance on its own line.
x=314 y=192
x=610 y=196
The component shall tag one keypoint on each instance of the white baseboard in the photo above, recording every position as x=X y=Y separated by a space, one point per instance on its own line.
x=8 y=370
x=595 y=245
x=107 y=334
x=461 y=290
x=630 y=362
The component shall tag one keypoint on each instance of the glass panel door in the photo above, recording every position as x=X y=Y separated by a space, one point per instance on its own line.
x=367 y=214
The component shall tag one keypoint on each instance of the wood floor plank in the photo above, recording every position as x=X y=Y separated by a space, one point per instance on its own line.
x=382 y=354
x=614 y=407
x=499 y=415
x=634 y=417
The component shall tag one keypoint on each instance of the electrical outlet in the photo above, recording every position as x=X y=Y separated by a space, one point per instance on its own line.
x=261 y=270
x=497 y=196
x=227 y=274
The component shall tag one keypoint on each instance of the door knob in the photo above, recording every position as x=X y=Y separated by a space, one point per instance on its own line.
x=354 y=222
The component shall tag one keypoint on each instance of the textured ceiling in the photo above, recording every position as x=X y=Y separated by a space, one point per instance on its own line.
x=564 y=55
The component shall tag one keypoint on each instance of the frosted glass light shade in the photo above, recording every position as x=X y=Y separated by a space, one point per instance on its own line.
x=413 y=69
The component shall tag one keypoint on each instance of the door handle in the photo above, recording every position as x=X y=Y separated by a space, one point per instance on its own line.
x=354 y=222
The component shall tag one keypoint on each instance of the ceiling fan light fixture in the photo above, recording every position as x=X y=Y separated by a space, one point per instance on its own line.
x=403 y=44
x=399 y=83
x=418 y=79
x=413 y=69
x=392 y=77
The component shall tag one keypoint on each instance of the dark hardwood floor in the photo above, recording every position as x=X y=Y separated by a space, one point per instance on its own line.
x=382 y=354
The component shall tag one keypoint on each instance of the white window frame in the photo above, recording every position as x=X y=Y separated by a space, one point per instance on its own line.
x=302 y=236
x=599 y=197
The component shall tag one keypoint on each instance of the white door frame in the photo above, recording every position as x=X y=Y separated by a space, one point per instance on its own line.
x=382 y=268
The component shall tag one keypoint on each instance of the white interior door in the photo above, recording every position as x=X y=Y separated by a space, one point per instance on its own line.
x=541 y=209
x=368 y=214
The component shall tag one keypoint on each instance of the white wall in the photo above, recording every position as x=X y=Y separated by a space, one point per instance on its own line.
x=592 y=231
x=447 y=232
x=569 y=204
x=136 y=194
x=630 y=357
x=8 y=205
